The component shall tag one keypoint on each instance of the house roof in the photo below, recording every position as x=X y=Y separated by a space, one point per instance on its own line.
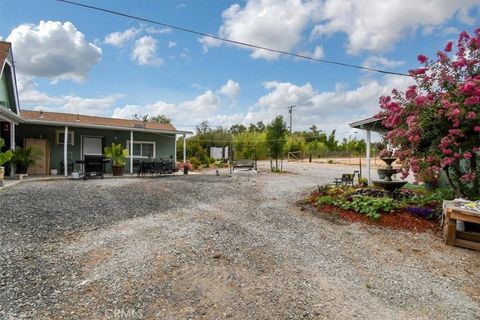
x=372 y=124
x=78 y=120
x=4 y=50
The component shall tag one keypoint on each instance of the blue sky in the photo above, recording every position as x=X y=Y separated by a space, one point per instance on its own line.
x=71 y=59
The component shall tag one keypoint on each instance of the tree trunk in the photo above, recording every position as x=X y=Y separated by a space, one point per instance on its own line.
x=473 y=169
x=457 y=190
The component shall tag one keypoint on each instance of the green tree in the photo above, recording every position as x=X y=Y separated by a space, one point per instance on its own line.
x=275 y=139
x=160 y=119
x=237 y=128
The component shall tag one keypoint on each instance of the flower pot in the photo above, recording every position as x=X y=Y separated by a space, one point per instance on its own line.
x=53 y=172
x=117 y=170
x=21 y=169
x=2 y=173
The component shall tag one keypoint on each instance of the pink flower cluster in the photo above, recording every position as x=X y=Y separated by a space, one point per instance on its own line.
x=434 y=124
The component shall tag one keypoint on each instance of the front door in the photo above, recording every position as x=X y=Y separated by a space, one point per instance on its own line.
x=92 y=146
x=40 y=167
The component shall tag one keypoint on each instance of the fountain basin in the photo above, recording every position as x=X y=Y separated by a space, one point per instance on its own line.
x=387 y=173
x=389 y=186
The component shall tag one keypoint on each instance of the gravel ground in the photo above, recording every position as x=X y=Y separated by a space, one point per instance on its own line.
x=207 y=246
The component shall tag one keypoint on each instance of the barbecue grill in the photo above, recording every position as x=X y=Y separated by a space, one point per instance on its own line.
x=93 y=166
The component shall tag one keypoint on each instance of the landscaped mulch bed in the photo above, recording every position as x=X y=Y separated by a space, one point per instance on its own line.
x=399 y=220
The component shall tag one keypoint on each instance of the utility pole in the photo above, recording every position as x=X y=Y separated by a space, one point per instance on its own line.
x=290 y=110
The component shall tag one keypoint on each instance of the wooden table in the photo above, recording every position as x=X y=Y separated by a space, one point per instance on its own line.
x=452 y=213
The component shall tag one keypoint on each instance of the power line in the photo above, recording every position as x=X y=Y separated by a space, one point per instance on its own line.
x=240 y=43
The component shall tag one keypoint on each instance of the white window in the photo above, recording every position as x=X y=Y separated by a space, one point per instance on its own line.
x=61 y=137
x=142 y=149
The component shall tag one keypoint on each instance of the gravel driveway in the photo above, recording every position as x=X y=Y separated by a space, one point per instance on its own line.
x=214 y=247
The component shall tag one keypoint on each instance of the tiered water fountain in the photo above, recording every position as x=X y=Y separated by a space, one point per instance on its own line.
x=387 y=183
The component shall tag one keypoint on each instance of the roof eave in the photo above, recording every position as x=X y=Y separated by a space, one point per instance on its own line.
x=10 y=115
x=96 y=126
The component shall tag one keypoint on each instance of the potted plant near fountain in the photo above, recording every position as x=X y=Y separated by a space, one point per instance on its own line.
x=24 y=158
x=4 y=158
x=117 y=155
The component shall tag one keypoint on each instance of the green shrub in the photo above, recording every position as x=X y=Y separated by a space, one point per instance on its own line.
x=330 y=161
x=196 y=163
x=369 y=206
x=322 y=200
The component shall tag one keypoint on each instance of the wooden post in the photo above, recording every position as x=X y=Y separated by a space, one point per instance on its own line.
x=65 y=149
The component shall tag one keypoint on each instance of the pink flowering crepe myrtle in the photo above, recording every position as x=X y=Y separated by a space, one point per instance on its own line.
x=435 y=125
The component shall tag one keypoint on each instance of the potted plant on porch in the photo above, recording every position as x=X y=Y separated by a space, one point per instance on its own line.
x=4 y=158
x=117 y=155
x=24 y=158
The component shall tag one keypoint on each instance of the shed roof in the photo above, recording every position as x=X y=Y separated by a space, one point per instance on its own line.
x=372 y=124
x=79 y=120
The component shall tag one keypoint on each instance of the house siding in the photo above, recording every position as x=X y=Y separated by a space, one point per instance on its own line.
x=7 y=96
x=164 y=142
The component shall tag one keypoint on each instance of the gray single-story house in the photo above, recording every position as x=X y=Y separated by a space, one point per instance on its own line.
x=65 y=138
x=88 y=135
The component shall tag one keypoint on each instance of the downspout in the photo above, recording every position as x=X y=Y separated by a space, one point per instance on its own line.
x=65 y=148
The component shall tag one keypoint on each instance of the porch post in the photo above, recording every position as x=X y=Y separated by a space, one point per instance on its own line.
x=184 y=148
x=368 y=156
x=131 y=152
x=65 y=148
x=12 y=145
x=175 y=149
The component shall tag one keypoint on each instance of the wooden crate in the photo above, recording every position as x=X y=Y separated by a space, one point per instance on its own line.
x=453 y=213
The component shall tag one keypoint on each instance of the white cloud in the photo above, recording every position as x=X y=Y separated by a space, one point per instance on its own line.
x=181 y=5
x=231 y=89
x=31 y=98
x=328 y=110
x=370 y=25
x=172 y=44
x=376 y=25
x=152 y=30
x=318 y=52
x=145 y=52
x=203 y=107
x=119 y=38
x=270 y=23
x=53 y=50
x=382 y=62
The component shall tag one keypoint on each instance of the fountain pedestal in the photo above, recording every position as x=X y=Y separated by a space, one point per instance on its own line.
x=388 y=184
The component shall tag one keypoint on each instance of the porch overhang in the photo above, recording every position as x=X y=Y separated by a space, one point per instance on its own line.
x=96 y=126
